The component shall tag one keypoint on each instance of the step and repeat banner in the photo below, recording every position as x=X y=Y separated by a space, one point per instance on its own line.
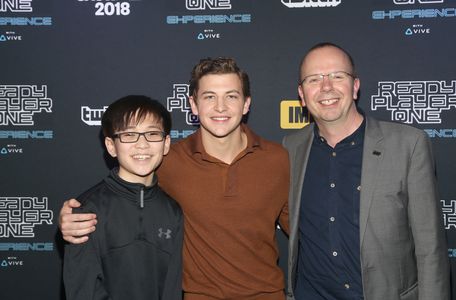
x=63 y=61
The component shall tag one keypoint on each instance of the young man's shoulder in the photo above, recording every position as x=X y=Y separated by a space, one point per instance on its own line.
x=272 y=146
x=170 y=203
x=182 y=147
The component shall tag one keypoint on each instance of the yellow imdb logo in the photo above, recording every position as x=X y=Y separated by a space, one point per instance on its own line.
x=293 y=115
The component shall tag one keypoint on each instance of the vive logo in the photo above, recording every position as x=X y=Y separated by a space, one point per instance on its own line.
x=417 y=29
x=208 y=34
x=11 y=262
x=310 y=3
x=11 y=149
x=10 y=36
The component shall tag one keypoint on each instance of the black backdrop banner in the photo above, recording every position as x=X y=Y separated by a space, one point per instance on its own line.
x=63 y=61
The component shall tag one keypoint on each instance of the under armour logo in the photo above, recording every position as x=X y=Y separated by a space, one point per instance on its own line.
x=167 y=234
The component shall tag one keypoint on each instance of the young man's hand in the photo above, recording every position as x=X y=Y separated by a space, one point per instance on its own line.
x=75 y=228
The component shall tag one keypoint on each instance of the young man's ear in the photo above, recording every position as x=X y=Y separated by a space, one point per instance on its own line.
x=193 y=105
x=110 y=146
x=248 y=101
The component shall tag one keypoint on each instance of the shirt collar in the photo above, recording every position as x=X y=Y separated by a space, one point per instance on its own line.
x=356 y=138
x=196 y=144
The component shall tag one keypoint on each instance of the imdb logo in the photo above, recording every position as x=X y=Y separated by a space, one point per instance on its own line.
x=293 y=115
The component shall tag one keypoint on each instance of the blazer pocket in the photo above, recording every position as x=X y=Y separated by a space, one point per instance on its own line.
x=411 y=293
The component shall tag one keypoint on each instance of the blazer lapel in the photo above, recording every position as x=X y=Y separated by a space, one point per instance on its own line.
x=373 y=153
x=299 y=154
x=299 y=168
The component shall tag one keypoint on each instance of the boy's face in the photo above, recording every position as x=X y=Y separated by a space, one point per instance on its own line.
x=220 y=104
x=139 y=160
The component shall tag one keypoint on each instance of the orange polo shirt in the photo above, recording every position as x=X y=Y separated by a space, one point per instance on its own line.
x=230 y=249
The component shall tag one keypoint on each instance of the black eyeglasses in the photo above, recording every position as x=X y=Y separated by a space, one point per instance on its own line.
x=133 y=137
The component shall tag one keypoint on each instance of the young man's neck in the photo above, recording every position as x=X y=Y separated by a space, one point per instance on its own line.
x=224 y=148
x=334 y=133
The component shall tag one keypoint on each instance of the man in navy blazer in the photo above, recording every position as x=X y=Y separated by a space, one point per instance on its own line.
x=365 y=219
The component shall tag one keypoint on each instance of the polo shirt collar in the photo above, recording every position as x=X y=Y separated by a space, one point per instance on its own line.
x=196 y=142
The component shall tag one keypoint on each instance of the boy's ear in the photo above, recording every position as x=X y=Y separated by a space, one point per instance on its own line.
x=110 y=146
x=167 y=144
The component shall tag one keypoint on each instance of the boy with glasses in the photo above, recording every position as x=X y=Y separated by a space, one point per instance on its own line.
x=136 y=253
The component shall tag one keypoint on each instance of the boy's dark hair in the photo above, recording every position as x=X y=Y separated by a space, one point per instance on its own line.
x=220 y=65
x=133 y=108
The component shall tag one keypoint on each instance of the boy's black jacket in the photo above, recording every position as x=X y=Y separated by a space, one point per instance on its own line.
x=136 y=250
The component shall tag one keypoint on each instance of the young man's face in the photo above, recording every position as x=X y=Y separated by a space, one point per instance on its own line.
x=138 y=160
x=220 y=104
x=329 y=102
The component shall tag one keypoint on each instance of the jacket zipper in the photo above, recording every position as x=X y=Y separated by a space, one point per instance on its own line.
x=141 y=235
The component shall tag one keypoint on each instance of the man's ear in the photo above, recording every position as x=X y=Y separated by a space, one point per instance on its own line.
x=301 y=95
x=110 y=146
x=356 y=86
